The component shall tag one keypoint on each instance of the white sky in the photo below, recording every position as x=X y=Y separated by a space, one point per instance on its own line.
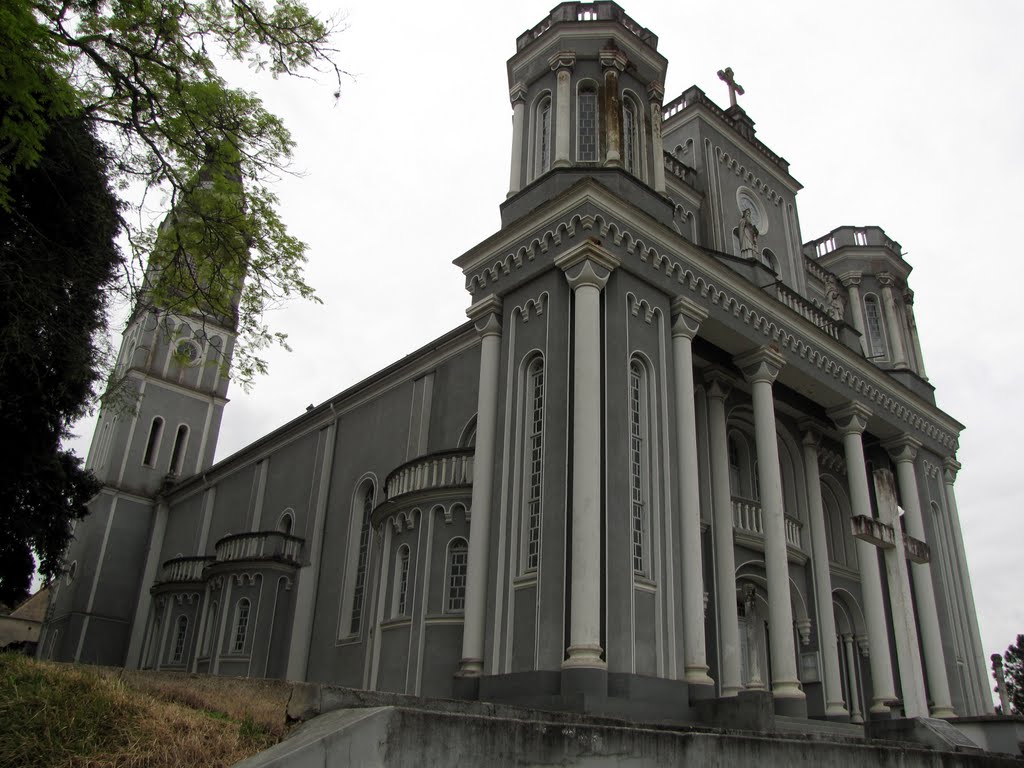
x=888 y=113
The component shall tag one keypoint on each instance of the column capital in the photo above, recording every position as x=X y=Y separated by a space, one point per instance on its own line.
x=885 y=279
x=810 y=434
x=908 y=296
x=587 y=264
x=902 y=449
x=486 y=316
x=850 y=278
x=562 y=60
x=655 y=92
x=761 y=364
x=851 y=418
x=517 y=93
x=950 y=467
x=612 y=58
x=687 y=316
x=718 y=381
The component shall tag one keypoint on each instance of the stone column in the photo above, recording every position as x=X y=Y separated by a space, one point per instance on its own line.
x=686 y=319
x=613 y=62
x=562 y=64
x=761 y=367
x=725 y=555
x=487 y=316
x=655 y=95
x=851 y=281
x=908 y=303
x=851 y=420
x=851 y=679
x=587 y=268
x=518 y=97
x=951 y=466
x=892 y=322
x=832 y=683
x=903 y=451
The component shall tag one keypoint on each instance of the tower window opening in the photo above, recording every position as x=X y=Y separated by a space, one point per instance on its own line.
x=587 y=116
x=637 y=468
x=178 y=454
x=542 y=137
x=241 y=625
x=364 y=553
x=458 y=560
x=630 y=136
x=875 y=329
x=179 y=639
x=535 y=459
x=156 y=430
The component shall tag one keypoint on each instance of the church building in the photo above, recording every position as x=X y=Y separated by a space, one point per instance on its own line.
x=676 y=455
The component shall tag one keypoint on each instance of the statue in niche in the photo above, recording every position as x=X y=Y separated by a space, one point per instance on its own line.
x=748 y=236
x=833 y=298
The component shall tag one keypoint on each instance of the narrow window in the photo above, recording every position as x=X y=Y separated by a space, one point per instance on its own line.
x=401 y=581
x=241 y=625
x=637 y=464
x=586 y=110
x=458 y=557
x=179 y=639
x=542 y=138
x=535 y=460
x=178 y=454
x=284 y=525
x=364 y=552
x=156 y=429
x=734 y=467
x=876 y=333
x=630 y=137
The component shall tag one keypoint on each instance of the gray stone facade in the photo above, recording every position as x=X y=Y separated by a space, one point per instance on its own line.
x=652 y=471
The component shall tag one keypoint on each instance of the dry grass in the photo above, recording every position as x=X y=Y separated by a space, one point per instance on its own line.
x=61 y=715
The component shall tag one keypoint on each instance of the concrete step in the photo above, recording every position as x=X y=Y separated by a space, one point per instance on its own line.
x=829 y=728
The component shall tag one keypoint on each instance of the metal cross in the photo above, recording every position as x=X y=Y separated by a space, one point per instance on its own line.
x=727 y=77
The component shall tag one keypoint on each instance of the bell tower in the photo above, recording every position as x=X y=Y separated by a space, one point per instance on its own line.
x=158 y=422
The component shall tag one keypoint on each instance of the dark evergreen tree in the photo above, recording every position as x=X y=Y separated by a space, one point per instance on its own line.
x=1013 y=669
x=57 y=255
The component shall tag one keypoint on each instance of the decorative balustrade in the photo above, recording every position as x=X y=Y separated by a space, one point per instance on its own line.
x=604 y=10
x=843 y=237
x=445 y=469
x=806 y=310
x=680 y=170
x=747 y=518
x=183 y=569
x=260 y=545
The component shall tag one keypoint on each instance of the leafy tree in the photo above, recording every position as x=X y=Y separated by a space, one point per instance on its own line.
x=144 y=73
x=124 y=95
x=57 y=253
x=1013 y=669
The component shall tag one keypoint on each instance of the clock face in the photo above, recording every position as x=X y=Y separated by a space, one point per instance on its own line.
x=188 y=352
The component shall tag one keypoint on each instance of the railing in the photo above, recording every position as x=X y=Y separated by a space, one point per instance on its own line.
x=858 y=237
x=806 y=310
x=183 y=569
x=747 y=518
x=680 y=170
x=678 y=104
x=816 y=269
x=446 y=469
x=261 y=545
x=584 y=12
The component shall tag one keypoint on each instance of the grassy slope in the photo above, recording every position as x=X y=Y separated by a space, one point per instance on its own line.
x=63 y=715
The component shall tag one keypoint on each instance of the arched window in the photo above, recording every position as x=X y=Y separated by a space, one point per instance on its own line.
x=534 y=460
x=180 y=630
x=630 y=136
x=874 y=327
x=639 y=466
x=735 y=473
x=178 y=454
x=286 y=522
x=241 y=625
x=156 y=430
x=769 y=260
x=542 y=136
x=401 y=582
x=362 y=556
x=586 y=116
x=458 y=561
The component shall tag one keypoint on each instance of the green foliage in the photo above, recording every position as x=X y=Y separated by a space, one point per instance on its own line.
x=1013 y=669
x=57 y=255
x=144 y=72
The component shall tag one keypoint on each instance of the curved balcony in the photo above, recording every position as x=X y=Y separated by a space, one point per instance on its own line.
x=748 y=520
x=444 y=469
x=181 y=570
x=260 y=545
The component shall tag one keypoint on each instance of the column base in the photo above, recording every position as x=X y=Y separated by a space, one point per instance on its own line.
x=787 y=689
x=836 y=710
x=728 y=691
x=561 y=163
x=698 y=675
x=585 y=657
x=944 y=713
x=470 y=668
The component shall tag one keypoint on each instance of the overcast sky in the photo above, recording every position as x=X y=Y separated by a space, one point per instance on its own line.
x=889 y=114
